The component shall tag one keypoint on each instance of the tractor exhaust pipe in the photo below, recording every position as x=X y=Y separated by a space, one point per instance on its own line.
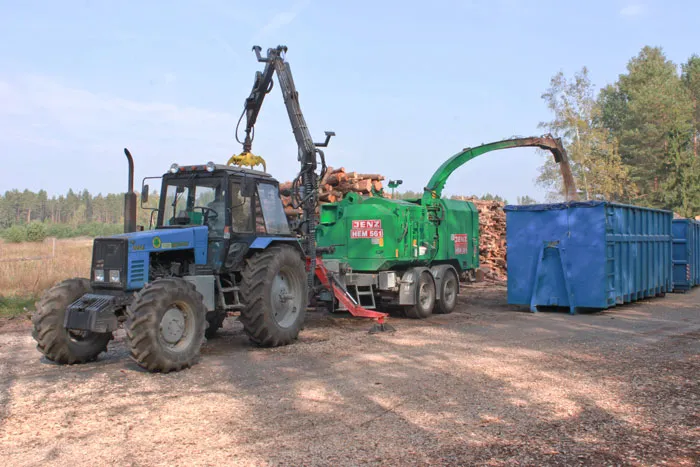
x=130 y=198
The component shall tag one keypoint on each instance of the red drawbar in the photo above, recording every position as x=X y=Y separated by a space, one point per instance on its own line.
x=343 y=297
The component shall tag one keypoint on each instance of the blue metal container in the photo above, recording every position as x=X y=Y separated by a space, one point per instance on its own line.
x=686 y=254
x=592 y=254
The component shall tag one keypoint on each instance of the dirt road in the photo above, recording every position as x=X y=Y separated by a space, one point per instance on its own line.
x=486 y=385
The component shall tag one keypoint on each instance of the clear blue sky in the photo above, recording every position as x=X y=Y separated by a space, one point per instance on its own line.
x=403 y=84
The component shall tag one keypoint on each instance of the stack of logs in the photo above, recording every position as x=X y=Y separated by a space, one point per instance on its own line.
x=333 y=187
x=492 y=238
x=492 y=219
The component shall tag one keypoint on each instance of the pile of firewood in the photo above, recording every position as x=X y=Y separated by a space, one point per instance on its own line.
x=333 y=187
x=492 y=243
x=492 y=238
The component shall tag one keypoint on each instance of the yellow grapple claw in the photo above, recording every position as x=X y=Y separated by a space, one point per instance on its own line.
x=247 y=159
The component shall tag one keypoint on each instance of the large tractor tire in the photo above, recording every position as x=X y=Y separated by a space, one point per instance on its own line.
x=275 y=293
x=449 y=289
x=165 y=325
x=425 y=298
x=57 y=343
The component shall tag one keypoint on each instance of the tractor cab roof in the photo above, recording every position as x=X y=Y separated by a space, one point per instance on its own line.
x=177 y=169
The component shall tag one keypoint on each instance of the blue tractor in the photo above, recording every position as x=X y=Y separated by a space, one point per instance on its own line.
x=221 y=244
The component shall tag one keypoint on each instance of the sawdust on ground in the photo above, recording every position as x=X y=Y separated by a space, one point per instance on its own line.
x=485 y=385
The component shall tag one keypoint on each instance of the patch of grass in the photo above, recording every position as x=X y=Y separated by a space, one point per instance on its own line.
x=11 y=307
x=28 y=269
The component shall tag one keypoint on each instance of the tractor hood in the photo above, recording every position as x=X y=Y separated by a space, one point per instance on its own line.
x=142 y=244
x=168 y=239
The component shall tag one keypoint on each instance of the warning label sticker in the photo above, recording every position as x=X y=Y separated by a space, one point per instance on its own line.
x=367 y=229
x=461 y=242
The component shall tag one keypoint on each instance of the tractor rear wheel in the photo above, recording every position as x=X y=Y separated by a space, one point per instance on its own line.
x=165 y=325
x=425 y=297
x=449 y=289
x=275 y=293
x=57 y=343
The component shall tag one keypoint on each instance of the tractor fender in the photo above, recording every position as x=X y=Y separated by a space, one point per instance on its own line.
x=438 y=273
x=408 y=283
x=262 y=243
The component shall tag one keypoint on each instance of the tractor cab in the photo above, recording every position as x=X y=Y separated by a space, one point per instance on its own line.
x=237 y=205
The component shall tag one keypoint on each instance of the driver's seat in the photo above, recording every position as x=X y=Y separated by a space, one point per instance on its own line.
x=216 y=222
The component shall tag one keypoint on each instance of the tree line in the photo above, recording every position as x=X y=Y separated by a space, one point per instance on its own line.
x=73 y=208
x=28 y=215
x=634 y=140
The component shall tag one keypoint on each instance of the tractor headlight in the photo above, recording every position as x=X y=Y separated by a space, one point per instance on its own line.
x=173 y=168
x=114 y=275
x=210 y=166
x=99 y=275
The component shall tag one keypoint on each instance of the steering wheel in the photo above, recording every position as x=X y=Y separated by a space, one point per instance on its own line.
x=206 y=212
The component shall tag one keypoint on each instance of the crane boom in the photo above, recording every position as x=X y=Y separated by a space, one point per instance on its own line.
x=305 y=185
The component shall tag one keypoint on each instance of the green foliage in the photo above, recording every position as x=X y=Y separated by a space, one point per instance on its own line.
x=92 y=229
x=15 y=234
x=653 y=122
x=29 y=216
x=60 y=231
x=36 y=232
x=15 y=306
x=95 y=229
x=637 y=141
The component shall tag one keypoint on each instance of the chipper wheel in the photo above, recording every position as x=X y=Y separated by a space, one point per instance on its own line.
x=165 y=325
x=449 y=289
x=275 y=293
x=57 y=343
x=425 y=298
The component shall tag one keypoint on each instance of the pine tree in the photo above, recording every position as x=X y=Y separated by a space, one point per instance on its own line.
x=649 y=111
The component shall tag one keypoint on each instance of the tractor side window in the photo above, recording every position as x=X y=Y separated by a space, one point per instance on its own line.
x=176 y=205
x=275 y=221
x=241 y=212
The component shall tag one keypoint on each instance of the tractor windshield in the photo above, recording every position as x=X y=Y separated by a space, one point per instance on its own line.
x=196 y=201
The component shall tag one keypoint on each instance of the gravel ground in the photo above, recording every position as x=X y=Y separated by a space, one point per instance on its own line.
x=486 y=385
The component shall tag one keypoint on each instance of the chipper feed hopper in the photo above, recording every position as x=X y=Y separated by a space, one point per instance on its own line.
x=409 y=254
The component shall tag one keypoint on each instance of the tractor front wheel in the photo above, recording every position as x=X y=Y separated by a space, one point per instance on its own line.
x=275 y=293
x=57 y=343
x=165 y=325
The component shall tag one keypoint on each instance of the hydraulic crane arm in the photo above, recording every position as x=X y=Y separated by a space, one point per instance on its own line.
x=274 y=62
x=548 y=142
x=305 y=185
